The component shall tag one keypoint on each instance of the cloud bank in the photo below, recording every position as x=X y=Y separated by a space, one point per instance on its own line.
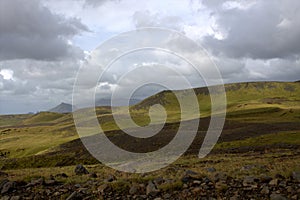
x=43 y=42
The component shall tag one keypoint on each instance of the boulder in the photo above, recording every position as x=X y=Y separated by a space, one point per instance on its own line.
x=296 y=176
x=211 y=169
x=93 y=175
x=277 y=197
x=250 y=181
x=110 y=178
x=151 y=189
x=80 y=169
x=7 y=187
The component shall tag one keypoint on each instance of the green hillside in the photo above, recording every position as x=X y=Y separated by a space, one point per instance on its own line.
x=253 y=110
x=275 y=99
x=42 y=117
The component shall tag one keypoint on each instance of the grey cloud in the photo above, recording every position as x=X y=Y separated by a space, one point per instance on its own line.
x=232 y=70
x=41 y=73
x=274 y=69
x=29 y=30
x=96 y=3
x=213 y=3
x=268 y=29
x=36 y=85
x=147 y=19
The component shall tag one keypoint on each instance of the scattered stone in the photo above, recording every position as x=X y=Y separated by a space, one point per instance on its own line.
x=190 y=172
x=102 y=188
x=221 y=186
x=143 y=196
x=235 y=197
x=211 y=169
x=151 y=189
x=206 y=180
x=186 y=179
x=93 y=175
x=134 y=189
x=279 y=176
x=277 y=197
x=259 y=167
x=15 y=198
x=265 y=179
x=35 y=182
x=274 y=182
x=62 y=175
x=7 y=187
x=248 y=167
x=295 y=197
x=56 y=194
x=158 y=181
x=142 y=186
x=196 y=190
x=2 y=183
x=265 y=190
x=250 y=181
x=220 y=177
x=50 y=182
x=110 y=178
x=197 y=186
x=296 y=176
x=289 y=189
x=80 y=169
x=73 y=196
x=190 y=175
x=5 y=198
x=282 y=184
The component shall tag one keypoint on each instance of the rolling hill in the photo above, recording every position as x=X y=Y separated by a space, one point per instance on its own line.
x=254 y=110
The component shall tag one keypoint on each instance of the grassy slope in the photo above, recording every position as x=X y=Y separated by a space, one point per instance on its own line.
x=42 y=117
x=242 y=98
x=264 y=102
x=37 y=133
x=11 y=120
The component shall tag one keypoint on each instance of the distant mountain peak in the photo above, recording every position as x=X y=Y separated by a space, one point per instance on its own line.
x=62 y=108
x=64 y=104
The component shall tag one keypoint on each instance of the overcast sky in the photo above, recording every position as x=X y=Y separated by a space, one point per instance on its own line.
x=44 y=42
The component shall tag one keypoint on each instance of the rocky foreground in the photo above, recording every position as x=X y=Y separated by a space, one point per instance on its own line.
x=191 y=185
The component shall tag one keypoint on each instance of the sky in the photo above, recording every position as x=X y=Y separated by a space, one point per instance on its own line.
x=43 y=44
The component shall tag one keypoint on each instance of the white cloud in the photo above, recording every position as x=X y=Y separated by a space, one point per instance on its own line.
x=7 y=74
x=242 y=5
